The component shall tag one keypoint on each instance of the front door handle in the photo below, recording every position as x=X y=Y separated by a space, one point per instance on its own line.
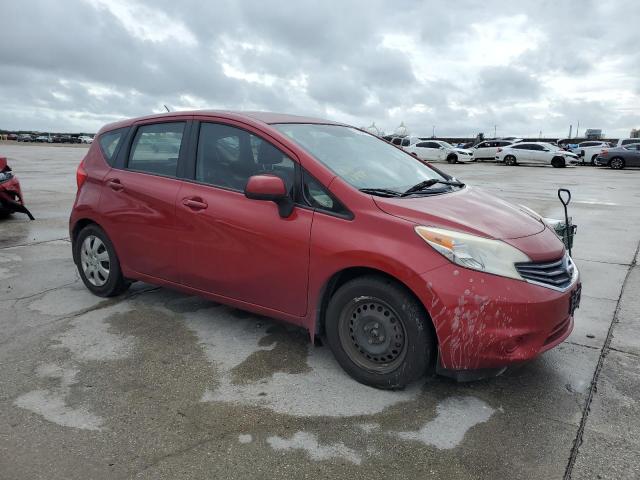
x=114 y=184
x=194 y=203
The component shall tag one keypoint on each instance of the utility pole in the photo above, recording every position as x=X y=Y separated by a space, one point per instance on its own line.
x=495 y=129
x=433 y=132
x=578 y=129
x=570 y=130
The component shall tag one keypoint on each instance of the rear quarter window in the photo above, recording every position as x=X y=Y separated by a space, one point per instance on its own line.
x=109 y=143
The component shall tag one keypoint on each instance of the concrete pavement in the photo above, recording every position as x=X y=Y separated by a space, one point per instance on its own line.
x=157 y=384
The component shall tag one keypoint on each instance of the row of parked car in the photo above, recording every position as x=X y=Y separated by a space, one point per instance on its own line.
x=513 y=151
x=27 y=137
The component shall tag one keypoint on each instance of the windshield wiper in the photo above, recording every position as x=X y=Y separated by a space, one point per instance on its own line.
x=383 y=192
x=429 y=183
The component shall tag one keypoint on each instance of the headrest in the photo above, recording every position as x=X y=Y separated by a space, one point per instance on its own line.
x=268 y=154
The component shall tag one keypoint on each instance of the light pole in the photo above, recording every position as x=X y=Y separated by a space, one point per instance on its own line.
x=433 y=132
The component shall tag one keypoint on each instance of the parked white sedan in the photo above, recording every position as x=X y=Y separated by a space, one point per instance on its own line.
x=535 y=152
x=437 y=150
x=487 y=150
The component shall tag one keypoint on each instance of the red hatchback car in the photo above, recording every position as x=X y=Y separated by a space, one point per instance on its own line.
x=401 y=267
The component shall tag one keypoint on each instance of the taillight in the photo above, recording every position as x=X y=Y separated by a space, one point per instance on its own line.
x=81 y=175
x=604 y=153
x=499 y=150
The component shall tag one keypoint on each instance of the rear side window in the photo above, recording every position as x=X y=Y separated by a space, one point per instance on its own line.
x=156 y=148
x=109 y=143
x=628 y=141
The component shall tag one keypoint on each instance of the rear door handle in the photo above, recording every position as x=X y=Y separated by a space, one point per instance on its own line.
x=114 y=184
x=194 y=204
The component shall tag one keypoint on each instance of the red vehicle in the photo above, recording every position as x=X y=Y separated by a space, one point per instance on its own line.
x=401 y=267
x=11 y=199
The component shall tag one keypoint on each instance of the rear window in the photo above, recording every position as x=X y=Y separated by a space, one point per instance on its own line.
x=109 y=143
x=156 y=148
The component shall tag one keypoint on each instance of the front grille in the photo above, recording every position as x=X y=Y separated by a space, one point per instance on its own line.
x=557 y=274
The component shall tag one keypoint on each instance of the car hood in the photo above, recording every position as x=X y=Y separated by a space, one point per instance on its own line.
x=464 y=150
x=470 y=210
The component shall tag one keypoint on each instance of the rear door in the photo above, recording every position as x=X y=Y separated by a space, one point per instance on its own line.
x=138 y=198
x=230 y=245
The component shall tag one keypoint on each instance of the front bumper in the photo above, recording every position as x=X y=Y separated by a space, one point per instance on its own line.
x=484 y=321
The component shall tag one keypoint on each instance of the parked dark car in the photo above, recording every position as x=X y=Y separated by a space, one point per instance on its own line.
x=12 y=136
x=620 y=157
x=25 y=137
x=11 y=199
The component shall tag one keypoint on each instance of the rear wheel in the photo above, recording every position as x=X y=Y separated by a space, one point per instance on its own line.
x=98 y=263
x=510 y=160
x=593 y=159
x=617 y=163
x=379 y=333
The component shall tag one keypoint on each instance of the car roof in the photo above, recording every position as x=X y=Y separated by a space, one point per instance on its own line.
x=251 y=117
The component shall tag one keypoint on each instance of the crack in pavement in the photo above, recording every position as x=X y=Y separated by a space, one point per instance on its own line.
x=606 y=347
x=29 y=244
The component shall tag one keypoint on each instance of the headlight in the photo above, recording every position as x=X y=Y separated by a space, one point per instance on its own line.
x=477 y=253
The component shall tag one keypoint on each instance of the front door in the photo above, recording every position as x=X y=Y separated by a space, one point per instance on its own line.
x=233 y=246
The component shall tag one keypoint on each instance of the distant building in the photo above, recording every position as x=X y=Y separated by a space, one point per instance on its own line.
x=593 y=134
x=635 y=133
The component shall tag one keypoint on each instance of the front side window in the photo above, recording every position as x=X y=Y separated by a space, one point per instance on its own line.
x=156 y=148
x=360 y=159
x=316 y=196
x=109 y=142
x=227 y=156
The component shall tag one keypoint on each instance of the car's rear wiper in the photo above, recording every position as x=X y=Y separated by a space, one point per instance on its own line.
x=383 y=192
x=429 y=183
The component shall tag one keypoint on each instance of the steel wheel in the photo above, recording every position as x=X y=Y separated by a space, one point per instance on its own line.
x=94 y=260
x=373 y=335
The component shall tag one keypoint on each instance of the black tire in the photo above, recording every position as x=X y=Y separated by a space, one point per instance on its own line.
x=510 y=160
x=452 y=159
x=616 y=163
x=5 y=213
x=558 y=162
x=115 y=283
x=399 y=344
x=593 y=160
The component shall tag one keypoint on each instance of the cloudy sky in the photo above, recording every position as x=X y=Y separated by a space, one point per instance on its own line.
x=461 y=66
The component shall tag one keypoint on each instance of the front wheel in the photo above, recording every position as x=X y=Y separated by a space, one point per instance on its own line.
x=558 y=162
x=452 y=159
x=379 y=333
x=98 y=263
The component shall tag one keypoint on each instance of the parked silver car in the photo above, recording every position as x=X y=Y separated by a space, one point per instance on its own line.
x=620 y=157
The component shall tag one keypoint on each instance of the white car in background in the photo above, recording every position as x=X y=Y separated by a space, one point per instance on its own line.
x=535 y=152
x=626 y=141
x=438 y=150
x=85 y=139
x=590 y=150
x=487 y=150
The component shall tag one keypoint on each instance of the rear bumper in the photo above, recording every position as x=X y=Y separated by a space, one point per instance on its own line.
x=484 y=321
x=603 y=162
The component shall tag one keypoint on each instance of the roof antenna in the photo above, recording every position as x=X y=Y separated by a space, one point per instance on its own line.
x=167 y=108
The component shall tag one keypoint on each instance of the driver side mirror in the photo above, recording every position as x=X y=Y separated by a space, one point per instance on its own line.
x=270 y=188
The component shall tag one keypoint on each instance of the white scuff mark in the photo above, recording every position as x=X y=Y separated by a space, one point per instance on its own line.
x=324 y=390
x=52 y=404
x=454 y=417
x=369 y=427
x=309 y=443
x=7 y=272
x=245 y=438
x=65 y=301
x=53 y=407
x=90 y=339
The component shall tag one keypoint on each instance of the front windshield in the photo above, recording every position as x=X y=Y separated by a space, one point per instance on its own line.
x=446 y=144
x=360 y=159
